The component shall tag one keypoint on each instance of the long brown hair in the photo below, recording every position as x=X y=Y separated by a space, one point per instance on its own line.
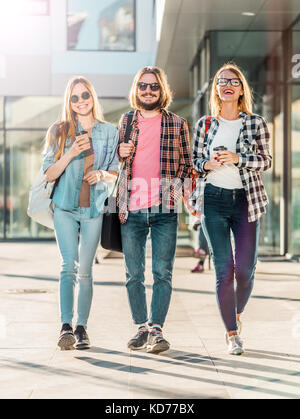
x=166 y=95
x=245 y=103
x=66 y=125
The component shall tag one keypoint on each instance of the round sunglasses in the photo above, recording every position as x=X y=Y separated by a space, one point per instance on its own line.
x=153 y=86
x=85 y=96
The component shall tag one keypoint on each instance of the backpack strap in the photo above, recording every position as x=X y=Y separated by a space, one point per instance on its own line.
x=128 y=127
x=126 y=140
x=207 y=123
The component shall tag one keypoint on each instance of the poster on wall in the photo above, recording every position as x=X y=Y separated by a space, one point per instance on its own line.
x=106 y=25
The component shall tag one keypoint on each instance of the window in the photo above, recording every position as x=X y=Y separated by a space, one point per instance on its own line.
x=106 y=25
x=24 y=158
x=32 y=112
x=258 y=53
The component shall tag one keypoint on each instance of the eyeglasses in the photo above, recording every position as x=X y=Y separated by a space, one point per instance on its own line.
x=234 y=82
x=153 y=86
x=84 y=96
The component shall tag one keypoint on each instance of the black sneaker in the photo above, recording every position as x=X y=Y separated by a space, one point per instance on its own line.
x=139 y=341
x=66 y=338
x=156 y=343
x=82 y=339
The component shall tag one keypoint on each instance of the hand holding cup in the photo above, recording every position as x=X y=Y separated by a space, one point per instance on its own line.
x=223 y=156
x=81 y=143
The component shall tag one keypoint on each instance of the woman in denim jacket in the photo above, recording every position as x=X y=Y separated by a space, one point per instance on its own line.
x=233 y=191
x=81 y=152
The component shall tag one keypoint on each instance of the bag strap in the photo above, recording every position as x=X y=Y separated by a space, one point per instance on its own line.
x=126 y=140
x=54 y=186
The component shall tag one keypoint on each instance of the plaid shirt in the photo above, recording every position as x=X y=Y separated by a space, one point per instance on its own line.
x=175 y=160
x=254 y=157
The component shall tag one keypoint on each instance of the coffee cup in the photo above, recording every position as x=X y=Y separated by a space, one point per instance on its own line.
x=217 y=149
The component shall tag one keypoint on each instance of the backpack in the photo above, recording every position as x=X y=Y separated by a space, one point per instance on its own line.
x=40 y=207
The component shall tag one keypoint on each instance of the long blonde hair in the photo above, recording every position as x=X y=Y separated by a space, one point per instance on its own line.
x=245 y=103
x=166 y=95
x=66 y=125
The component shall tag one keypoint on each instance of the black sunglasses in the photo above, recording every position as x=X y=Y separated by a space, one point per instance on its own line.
x=84 y=96
x=153 y=86
x=235 y=82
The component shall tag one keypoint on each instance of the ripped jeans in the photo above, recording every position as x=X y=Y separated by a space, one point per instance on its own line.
x=77 y=236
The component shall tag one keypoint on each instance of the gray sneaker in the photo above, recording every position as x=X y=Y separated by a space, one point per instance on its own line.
x=66 y=338
x=234 y=345
x=139 y=340
x=156 y=342
x=82 y=339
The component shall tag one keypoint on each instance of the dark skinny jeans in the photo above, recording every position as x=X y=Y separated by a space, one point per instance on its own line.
x=225 y=211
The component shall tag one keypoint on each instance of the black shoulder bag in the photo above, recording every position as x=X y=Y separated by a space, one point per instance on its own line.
x=111 y=227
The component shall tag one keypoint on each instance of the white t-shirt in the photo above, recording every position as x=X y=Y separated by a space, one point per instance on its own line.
x=227 y=176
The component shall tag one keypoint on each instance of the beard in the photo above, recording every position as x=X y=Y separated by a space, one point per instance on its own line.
x=147 y=106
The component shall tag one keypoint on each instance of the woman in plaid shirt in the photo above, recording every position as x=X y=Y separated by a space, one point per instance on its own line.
x=231 y=149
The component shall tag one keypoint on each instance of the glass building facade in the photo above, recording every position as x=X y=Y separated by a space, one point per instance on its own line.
x=106 y=41
x=23 y=127
x=271 y=62
x=270 y=59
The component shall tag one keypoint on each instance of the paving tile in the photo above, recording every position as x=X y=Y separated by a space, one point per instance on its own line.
x=196 y=366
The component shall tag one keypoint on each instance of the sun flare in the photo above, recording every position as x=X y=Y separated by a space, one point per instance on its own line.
x=15 y=8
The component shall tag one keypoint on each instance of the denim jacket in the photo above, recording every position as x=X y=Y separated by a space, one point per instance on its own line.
x=105 y=139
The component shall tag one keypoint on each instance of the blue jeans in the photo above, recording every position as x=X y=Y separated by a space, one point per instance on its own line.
x=163 y=227
x=226 y=211
x=77 y=237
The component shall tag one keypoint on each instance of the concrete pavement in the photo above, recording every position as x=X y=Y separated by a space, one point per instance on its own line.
x=197 y=365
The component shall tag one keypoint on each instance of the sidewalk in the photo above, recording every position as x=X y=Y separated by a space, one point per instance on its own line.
x=196 y=366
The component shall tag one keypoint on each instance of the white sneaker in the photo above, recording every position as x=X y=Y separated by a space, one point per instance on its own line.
x=234 y=345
